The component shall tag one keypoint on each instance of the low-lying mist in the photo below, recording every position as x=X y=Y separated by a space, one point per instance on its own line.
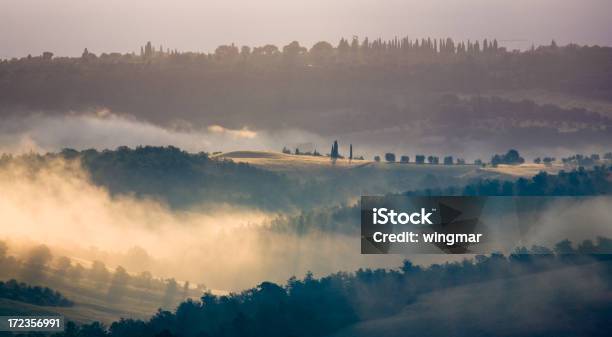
x=106 y=130
x=223 y=246
x=103 y=129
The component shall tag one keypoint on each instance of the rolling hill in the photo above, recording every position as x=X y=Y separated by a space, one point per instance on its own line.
x=547 y=303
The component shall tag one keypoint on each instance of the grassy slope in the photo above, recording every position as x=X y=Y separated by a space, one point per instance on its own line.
x=549 y=303
x=525 y=170
x=288 y=163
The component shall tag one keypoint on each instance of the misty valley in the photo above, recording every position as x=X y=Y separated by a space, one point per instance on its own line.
x=167 y=193
x=123 y=250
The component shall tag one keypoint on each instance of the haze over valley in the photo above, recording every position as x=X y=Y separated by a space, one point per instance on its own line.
x=197 y=168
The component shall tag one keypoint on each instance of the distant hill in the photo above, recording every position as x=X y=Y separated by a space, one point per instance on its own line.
x=519 y=307
x=265 y=180
x=387 y=94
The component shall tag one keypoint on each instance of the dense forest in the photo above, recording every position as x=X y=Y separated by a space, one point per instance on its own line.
x=346 y=219
x=318 y=307
x=183 y=178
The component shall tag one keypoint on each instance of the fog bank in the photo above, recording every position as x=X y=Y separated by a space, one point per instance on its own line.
x=222 y=246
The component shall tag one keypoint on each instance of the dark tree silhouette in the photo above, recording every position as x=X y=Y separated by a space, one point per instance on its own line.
x=22 y=292
x=512 y=157
x=390 y=157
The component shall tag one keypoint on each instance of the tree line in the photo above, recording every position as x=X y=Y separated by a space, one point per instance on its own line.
x=22 y=292
x=322 y=51
x=399 y=51
x=319 y=307
x=345 y=219
x=578 y=182
x=421 y=159
x=273 y=94
x=512 y=157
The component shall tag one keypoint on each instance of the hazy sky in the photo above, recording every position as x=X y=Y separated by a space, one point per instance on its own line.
x=65 y=27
